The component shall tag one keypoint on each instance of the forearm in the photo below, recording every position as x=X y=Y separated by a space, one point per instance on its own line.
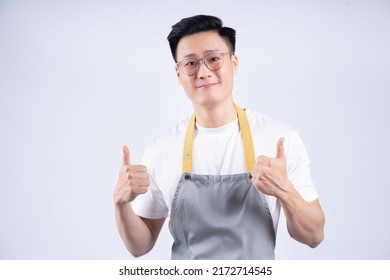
x=305 y=221
x=133 y=230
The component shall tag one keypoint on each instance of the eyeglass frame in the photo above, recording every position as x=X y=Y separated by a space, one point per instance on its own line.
x=204 y=62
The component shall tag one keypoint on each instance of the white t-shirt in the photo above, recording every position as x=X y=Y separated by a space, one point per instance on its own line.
x=219 y=151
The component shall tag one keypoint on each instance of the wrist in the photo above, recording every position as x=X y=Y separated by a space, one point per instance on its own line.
x=121 y=205
x=119 y=202
x=287 y=194
x=290 y=200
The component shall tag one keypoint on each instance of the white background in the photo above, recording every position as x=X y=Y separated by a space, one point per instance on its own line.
x=78 y=79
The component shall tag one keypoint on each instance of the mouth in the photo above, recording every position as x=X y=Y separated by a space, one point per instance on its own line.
x=206 y=86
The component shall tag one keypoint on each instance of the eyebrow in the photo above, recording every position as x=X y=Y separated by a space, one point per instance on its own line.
x=205 y=53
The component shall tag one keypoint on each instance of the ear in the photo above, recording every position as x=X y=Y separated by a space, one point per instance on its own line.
x=235 y=63
x=178 y=75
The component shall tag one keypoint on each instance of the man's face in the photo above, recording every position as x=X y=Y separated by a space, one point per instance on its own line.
x=206 y=87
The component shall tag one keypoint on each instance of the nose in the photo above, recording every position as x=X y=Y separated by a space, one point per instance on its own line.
x=203 y=71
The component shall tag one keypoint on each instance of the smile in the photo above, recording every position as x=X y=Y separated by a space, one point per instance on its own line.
x=206 y=86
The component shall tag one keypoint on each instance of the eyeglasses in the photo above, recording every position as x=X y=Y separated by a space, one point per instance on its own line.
x=213 y=62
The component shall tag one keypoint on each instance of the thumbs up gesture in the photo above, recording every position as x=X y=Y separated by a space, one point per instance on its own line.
x=133 y=180
x=269 y=174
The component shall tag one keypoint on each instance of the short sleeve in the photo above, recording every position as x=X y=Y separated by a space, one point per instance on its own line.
x=298 y=168
x=150 y=205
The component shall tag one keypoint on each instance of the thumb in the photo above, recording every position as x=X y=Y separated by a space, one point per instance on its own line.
x=280 y=148
x=126 y=155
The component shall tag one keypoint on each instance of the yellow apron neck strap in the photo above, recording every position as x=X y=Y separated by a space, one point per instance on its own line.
x=246 y=138
x=187 y=155
x=245 y=134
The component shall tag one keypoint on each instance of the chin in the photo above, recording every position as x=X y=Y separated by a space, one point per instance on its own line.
x=208 y=102
x=202 y=97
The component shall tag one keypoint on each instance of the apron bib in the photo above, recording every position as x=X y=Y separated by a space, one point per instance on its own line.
x=220 y=216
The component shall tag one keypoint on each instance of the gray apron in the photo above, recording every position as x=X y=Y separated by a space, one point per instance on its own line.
x=220 y=216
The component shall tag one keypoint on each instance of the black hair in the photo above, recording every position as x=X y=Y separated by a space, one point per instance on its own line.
x=200 y=23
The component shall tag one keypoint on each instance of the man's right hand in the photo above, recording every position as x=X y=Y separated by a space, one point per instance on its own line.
x=133 y=180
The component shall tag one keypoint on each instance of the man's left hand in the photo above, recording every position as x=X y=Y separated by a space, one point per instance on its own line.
x=269 y=174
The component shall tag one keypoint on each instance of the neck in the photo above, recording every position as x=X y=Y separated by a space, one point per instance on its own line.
x=215 y=115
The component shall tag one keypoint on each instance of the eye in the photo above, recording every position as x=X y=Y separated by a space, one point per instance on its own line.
x=190 y=63
x=213 y=58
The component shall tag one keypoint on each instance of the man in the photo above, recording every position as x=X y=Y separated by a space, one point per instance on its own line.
x=222 y=204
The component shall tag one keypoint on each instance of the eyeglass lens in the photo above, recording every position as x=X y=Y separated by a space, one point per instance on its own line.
x=213 y=62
